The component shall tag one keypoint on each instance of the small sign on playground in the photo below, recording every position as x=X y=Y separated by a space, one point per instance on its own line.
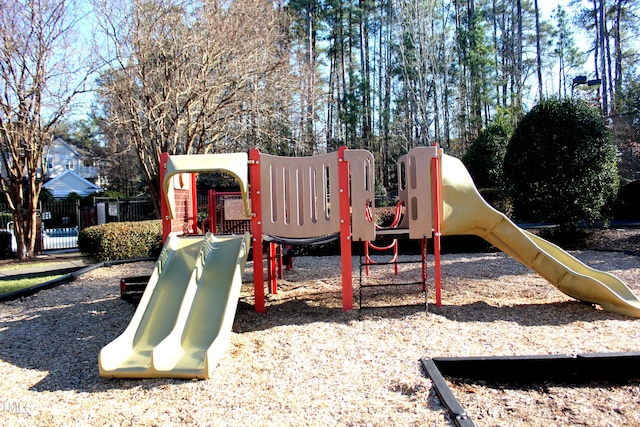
x=234 y=210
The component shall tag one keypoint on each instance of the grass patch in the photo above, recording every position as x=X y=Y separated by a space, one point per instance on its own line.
x=19 y=265
x=7 y=286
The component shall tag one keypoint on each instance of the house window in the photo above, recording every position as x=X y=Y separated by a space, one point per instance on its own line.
x=49 y=163
x=69 y=164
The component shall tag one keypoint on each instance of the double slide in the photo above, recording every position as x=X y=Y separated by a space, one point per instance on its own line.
x=183 y=322
x=465 y=212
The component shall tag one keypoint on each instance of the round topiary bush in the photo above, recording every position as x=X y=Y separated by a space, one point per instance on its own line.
x=560 y=164
x=485 y=156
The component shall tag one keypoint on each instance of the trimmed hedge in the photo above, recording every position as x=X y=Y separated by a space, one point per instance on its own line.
x=121 y=240
x=560 y=165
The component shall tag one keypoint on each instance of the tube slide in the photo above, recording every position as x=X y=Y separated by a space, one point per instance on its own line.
x=465 y=212
x=182 y=325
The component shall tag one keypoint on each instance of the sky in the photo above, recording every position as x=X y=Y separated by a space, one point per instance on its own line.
x=546 y=7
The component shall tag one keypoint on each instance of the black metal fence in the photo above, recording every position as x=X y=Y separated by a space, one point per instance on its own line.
x=625 y=132
x=117 y=210
x=60 y=221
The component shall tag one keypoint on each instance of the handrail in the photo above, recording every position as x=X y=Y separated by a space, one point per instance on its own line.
x=394 y=243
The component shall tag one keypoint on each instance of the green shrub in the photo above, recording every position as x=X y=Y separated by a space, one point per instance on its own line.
x=498 y=199
x=121 y=240
x=46 y=196
x=485 y=157
x=568 y=239
x=382 y=197
x=560 y=164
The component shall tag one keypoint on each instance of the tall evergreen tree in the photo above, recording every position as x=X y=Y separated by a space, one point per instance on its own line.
x=568 y=55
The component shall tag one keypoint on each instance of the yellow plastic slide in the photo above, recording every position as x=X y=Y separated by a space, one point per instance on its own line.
x=182 y=325
x=465 y=212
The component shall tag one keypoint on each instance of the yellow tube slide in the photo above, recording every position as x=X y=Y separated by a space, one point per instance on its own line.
x=466 y=212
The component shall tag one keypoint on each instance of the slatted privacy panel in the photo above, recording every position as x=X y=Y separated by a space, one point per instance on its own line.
x=403 y=190
x=300 y=195
x=362 y=178
x=415 y=190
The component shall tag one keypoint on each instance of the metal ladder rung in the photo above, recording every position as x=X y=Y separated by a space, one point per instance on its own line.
x=391 y=284
x=363 y=286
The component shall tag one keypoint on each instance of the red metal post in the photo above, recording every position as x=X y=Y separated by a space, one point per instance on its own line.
x=271 y=269
x=436 y=181
x=256 y=229
x=213 y=213
x=164 y=208
x=367 y=258
x=423 y=251
x=279 y=255
x=345 y=231
x=194 y=205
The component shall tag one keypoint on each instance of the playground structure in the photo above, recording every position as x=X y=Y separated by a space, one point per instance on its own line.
x=183 y=321
x=309 y=200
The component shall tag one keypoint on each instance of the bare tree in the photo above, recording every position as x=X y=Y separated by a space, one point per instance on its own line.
x=538 y=50
x=603 y=44
x=184 y=76
x=425 y=50
x=41 y=73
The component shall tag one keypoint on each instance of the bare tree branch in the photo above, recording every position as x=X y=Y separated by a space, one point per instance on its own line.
x=184 y=74
x=41 y=75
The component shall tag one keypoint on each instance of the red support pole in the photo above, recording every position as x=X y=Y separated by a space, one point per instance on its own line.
x=345 y=231
x=279 y=260
x=164 y=208
x=271 y=269
x=213 y=220
x=423 y=251
x=436 y=181
x=194 y=205
x=256 y=229
x=395 y=257
x=367 y=259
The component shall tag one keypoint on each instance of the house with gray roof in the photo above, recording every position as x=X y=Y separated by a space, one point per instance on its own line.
x=70 y=169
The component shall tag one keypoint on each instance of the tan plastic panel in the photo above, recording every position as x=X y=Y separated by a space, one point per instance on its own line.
x=403 y=191
x=234 y=164
x=300 y=195
x=362 y=172
x=419 y=208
